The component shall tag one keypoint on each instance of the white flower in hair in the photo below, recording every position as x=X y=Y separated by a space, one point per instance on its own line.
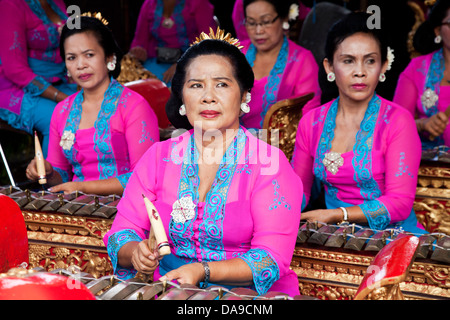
x=390 y=57
x=293 y=11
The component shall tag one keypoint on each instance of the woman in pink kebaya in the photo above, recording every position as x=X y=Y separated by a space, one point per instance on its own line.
x=169 y=26
x=423 y=88
x=98 y=134
x=363 y=149
x=228 y=201
x=282 y=68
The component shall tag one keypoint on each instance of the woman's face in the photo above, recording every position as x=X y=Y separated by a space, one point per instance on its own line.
x=444 y=30
x=85 y=61
x=211 y=94
x=264 y=26
x=357 y=66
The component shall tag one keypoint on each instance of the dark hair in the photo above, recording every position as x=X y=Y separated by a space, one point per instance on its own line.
x=242 y=71
x=423 y=40
x=103 y=35
x=350 y=24
x=281 y=6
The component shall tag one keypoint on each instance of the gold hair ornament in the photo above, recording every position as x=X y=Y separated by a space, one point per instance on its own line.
x=97 y=15
x=219 y=35
x=430 y=2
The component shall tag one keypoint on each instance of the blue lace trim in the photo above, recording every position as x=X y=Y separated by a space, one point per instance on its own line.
x=275 y=76
x=279 y=200
x=107 y=166
x=102 y=136
x=264 y=269
x=36 y=86
x=115 y=242
x=179 y=24
x=63 y=173
x=211 y=229
x=375 y=212
x=434 y=78
x=123 y=179
x=52 y=30
x=433 y=81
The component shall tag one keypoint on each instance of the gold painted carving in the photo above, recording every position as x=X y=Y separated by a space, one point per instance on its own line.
x=63 y=224
x=433 y=214
x=62 y=258
x=131 y=69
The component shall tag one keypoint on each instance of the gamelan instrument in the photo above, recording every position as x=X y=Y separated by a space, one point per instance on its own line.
x=331 y=260
x=112 y=288
x=66 y=229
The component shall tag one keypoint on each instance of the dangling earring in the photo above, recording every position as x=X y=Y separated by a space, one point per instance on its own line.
x=244 y=105
x=285 y=25
x=382 y=77
x=111 y=65
x=182 y=110
x=331 y=76
x=68 y=74
x=438 y=39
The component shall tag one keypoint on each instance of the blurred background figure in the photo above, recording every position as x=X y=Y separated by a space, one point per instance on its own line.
x=32 y=73
x=424 y=86
x=164 y=30
x=282 y=68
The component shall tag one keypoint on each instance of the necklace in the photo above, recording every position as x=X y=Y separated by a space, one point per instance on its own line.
x=333 y=161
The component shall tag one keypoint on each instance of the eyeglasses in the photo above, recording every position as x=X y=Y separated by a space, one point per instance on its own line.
x=251 y=25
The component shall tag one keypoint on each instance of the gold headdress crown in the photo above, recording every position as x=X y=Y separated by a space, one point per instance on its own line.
x=97 y=15
x=219 y=35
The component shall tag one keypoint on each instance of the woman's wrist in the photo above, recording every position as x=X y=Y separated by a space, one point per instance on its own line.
x=420 y=123
x=207 y=274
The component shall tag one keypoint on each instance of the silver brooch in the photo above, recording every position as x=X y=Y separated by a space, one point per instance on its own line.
x=67 y=140
x=333 y=161
x=183 y=209
x=429 y=98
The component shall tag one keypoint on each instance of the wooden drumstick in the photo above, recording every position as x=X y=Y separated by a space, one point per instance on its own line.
x=447 y=113
x=39 y=160
x=157 y=229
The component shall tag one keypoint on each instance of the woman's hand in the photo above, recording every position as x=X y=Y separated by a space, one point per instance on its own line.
x=191 y=273
x=435 y=124
x=139 y=53
x=32 y=173
x=328 y=216
x=143 y=259
x=68 y=187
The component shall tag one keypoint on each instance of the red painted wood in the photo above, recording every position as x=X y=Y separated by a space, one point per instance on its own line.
x=13 y=235
x=390 y=265
x=156 y=93
x=43 y=286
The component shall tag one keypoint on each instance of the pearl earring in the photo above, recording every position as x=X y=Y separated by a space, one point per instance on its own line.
x=382 y=77
x=331 y=76
x=111 y=65
x=182 y=110
x=438 y=39
x=68 y=74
